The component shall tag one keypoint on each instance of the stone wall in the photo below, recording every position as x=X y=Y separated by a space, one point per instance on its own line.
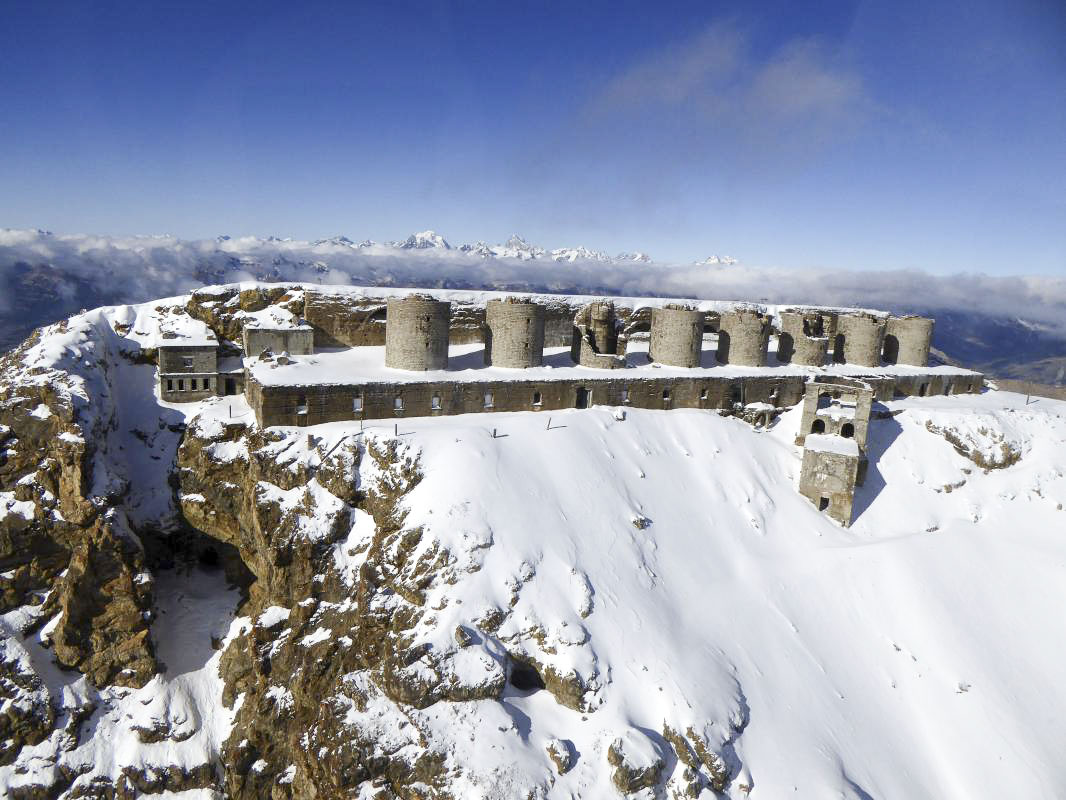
x=804 y=337
x=514 y=333
x=831 y=477
x=859 y=340
x=907 y=340
x=743 y=338
x=294 y=341
x=311 y=405
x=835 y=403
x=676 y=335
x=597 y=340
x=416 y=333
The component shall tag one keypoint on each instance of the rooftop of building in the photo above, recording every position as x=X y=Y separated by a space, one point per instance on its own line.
x=466 y=363
x=181 y=330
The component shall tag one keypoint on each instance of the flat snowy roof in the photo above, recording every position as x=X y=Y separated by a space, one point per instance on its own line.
x=181 y=330
x=466 y=363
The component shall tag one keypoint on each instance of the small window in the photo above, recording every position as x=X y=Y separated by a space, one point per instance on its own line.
x=666 y=395
x=923 y=389
x=181 y=384
x=301 y=404
x=823 y=504
x=186 y=361
x=947 y=388
x=192 y=384
x=488 y=399
x=170 y=385
x=536 y=398
x=207 y=384
x=434 y=402
x=357 y=403
x=847 y=430
x=703 y=395
x=625 y=395
x=818 y=426
x=397 y=403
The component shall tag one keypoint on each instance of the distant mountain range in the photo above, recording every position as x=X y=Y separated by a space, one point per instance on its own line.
x=1010 y=327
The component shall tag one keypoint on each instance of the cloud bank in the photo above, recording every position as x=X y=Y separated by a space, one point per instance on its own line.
x=95 y=270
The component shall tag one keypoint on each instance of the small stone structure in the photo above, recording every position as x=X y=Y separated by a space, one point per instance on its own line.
x=297 y=340
x=860 y=339
x=907 y=340
x=188 y=360
x=804 y=337
x=416 y=333
x=514 y=333
x=597 y=338
x=833 y=431
x=743 y=338
x=676 y=335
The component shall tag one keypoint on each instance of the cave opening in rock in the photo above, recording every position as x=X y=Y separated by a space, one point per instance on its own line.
x=525 y=677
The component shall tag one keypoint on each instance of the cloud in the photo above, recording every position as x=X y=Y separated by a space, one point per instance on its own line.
x=717 y=76
x=93 y=270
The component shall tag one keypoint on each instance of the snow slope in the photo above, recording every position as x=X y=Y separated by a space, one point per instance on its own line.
x=665 y=561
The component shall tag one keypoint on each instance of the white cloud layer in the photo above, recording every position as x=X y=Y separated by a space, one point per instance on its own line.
x=98 y=269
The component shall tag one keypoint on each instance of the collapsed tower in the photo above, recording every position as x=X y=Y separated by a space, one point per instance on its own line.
x=804 y=338
x=597 y=340
x=860 y=339
x=416 y=332
x=833 y=431
x=907 y=340
x=514 y=333
x=743 y=338
x=676 y=335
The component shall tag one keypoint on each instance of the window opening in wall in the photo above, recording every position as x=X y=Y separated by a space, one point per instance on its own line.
x=181 y=385
x=947 y=388
x=231 y=386
x=397 y=403
x=357 y=403
x=583 y=397
x=723 y=347
x=536 y=398
x=488 y=399
x=434 y=403
x=824 y=400
x=847 y=430
x=186 y=361
x=785 y=347
x=818 y=426
x=301 y=404
x=890 y=350
x=170 y=385
x=823 y=504
x=666 y=394
x=922 y=389
x=192 y=384
x=735 y=395
x=838 y=349
x=625 y=395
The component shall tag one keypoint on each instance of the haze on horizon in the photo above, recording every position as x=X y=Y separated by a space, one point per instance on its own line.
x=838 y=135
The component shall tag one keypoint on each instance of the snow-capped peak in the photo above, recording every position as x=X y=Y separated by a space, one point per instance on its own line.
x=578 y=254
x=638 y=256
x=425 y=240
x=725 y=260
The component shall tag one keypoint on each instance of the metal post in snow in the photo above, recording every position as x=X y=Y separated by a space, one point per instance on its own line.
x=549 y=424
x=396 y=429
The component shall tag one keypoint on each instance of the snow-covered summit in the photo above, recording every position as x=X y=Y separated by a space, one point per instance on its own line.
x=425 y=240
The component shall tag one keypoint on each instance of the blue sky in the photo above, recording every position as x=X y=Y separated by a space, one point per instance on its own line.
x=859 y=135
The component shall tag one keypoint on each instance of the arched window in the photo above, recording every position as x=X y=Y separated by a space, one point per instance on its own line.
x=818 y=426
x=847 y=430
x=890 y=351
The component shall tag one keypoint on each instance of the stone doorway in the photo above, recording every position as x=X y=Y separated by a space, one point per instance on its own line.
x=583 y=397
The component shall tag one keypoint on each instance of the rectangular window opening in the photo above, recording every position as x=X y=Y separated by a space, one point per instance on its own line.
x=181 y=385
x=488 y=399
x=536 y=398
x=357 y=403
x=397 y=404
x=625 y=395
x=434 y=402
x=192 y=384
x=170 y=385
x=186 y=361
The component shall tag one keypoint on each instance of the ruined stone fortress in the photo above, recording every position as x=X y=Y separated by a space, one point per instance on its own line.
x=357 y=356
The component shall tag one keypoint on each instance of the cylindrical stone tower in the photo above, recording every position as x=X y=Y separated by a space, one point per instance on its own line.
x=743 y=337
x=864 y=336
x=416 y=332
x=804 y=339
x=514 y=333
x=907 y=340
x=676 y=335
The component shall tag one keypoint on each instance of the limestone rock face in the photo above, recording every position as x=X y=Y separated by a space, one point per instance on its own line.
x=637 y=760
